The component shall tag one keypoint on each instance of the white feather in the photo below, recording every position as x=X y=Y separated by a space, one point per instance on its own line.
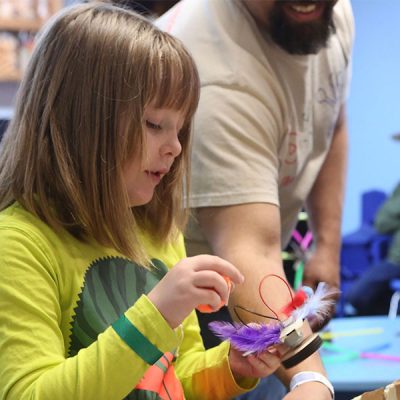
x=319 y=304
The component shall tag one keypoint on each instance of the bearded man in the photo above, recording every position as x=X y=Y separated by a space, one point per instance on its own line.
x=270 y=138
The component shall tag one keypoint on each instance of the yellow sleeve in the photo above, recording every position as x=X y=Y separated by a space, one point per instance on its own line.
x=33 y=361
x=205 y=374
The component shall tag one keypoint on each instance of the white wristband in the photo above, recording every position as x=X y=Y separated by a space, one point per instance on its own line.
x=310 y=376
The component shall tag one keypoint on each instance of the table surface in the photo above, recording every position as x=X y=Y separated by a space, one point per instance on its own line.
x=346 y=371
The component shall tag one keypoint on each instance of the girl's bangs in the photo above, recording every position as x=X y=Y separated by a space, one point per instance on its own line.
x=174 y=80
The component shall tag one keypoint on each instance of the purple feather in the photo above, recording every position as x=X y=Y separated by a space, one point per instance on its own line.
x=251 y=338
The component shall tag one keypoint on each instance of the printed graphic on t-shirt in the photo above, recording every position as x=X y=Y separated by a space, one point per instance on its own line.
x=112 y=285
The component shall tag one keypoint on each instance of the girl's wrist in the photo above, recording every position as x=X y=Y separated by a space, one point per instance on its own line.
x=311 y=376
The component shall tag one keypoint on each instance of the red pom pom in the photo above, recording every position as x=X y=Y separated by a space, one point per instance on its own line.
x=299 y=299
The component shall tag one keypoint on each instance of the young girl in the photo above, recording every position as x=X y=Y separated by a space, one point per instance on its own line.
x=91 y=172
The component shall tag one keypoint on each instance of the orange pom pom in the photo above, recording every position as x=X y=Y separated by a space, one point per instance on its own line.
x=206 y=308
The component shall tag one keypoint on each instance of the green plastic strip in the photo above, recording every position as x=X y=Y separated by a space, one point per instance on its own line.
x=298 y=275
x=136 y=340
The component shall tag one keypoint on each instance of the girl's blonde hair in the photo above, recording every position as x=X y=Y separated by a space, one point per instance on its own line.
x=79 y=118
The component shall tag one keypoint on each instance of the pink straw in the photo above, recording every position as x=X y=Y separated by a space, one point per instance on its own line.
x=297 y=236
x=377 y=356
x=306 y=240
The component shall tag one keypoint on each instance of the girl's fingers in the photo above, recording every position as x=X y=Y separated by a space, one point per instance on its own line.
x=210 y=302
x=217 y=264
x=279 y=350
x=259 y=365
x=265 y=362
x=212 y=280
x=269 y=359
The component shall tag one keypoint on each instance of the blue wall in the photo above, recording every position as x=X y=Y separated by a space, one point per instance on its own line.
x=374 y=104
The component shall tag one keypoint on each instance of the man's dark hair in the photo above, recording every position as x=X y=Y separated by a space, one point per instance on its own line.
x=145 y=7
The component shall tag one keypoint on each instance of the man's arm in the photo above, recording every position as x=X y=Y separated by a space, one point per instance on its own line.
x=248 y=235
x=324 y=206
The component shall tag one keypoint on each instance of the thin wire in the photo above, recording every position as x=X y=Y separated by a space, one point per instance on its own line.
x=166 y=390
x=163 y=381
x=262 y=298
x=251 y=312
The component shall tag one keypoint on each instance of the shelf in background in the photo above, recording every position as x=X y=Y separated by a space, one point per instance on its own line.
x=7 y=24
x=12 y=77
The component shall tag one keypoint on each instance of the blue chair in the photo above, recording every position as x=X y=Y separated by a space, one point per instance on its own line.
x=363 y=247
x=371 y=201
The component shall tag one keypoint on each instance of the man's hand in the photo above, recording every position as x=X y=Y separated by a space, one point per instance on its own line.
x=324 y=207
x=322 y=267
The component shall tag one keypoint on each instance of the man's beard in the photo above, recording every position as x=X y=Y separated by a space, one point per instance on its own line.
x=301 y=38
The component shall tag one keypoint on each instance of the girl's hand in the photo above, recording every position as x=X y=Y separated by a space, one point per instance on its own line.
x=193 y=281
x=256 y=366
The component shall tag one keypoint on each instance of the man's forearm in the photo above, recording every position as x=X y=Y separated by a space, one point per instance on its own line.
x=249 y=237
x=325 y=202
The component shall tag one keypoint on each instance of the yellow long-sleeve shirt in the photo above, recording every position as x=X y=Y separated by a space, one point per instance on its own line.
x=58 y=299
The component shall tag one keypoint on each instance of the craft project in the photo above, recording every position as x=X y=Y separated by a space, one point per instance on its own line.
x=390 y=392
x=284 y=324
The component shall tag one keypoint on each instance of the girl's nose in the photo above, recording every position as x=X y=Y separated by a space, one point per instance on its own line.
x=173 y=146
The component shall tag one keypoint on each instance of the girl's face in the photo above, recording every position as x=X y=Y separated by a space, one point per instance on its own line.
x=162 y=127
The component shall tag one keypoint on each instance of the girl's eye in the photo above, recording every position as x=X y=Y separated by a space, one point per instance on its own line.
x=152 y=125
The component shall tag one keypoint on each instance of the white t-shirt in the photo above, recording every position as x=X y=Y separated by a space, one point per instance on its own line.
x=266 y=118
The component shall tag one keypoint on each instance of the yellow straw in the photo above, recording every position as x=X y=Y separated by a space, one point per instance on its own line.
x=355 y=332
